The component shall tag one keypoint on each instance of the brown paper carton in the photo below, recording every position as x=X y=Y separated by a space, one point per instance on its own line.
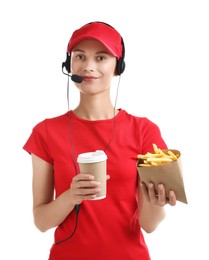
x=169 y=174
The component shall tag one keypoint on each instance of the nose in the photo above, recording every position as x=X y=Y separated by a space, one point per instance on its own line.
x=89 y=65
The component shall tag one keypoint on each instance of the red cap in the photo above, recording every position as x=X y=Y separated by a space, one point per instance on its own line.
x=100 y=31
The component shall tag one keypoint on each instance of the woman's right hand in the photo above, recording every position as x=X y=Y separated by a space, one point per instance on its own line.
x=84 y=187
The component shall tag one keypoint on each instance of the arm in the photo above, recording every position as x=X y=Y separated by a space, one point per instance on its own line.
x=49 y=212
x=151 y=206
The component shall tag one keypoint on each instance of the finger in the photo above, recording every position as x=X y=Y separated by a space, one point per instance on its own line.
x=83 y=176
x=172 y=198
x=152 y=193
x=161 y=195
x=87 y=184
x=144 y=190
x=89 y=191
x=81 y=197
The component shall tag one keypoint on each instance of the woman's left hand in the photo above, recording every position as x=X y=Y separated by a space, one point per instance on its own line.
x=157 y=196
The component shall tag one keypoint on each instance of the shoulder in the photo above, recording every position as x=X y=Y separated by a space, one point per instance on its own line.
x=141 y=125
x=52 y=122
x=139 y=120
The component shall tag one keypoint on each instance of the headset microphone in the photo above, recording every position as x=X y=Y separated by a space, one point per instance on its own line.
x=74 y=77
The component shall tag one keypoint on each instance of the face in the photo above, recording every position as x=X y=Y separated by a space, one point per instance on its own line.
x=91 y=60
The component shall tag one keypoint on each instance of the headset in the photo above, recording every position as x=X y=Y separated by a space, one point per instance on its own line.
x=120 y=65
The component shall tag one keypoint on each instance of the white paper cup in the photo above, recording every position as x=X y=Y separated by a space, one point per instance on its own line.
x=95 y=163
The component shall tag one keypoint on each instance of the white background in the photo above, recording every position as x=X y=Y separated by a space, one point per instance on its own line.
x=166 y=79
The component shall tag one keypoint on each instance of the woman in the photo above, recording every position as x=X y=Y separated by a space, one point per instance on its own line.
x=109 y=228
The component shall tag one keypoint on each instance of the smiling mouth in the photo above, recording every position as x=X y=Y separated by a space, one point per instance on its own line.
x=88 y=78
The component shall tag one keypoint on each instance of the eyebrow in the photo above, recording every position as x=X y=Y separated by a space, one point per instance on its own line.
x=99 y=52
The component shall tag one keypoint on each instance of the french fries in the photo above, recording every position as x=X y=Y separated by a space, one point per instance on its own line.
x=159 y=157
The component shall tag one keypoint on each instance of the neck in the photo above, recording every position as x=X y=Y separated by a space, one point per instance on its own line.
x=95 y=109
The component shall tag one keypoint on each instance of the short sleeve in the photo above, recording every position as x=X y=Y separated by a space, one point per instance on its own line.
x=37 y=143
x=151 y=134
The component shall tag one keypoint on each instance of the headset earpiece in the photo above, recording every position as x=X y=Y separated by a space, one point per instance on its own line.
x=66 y=64
x=120 y=66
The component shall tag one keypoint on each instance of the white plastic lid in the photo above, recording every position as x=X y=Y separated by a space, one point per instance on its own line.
x=91 y=157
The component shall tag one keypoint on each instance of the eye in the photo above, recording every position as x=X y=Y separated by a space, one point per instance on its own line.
x=79 y=57
x=101 y=58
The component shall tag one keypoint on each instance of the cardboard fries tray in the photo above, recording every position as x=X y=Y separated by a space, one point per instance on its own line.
x=170 y=175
